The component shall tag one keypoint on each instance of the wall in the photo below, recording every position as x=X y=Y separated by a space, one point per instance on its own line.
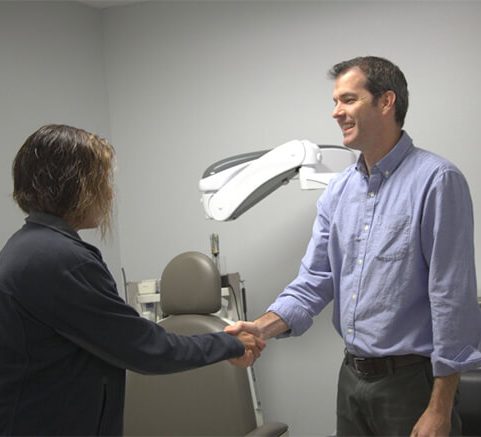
x=52 y=71
x=194 y=82
x=189 y=83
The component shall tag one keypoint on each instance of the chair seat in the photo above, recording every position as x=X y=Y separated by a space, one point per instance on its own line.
x=210 y=401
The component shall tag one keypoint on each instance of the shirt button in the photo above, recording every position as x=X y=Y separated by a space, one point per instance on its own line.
x=386 y=173
x=349 y=331
x=371 y=194
x=354 y=296
x=359 y=261
x=366 y=227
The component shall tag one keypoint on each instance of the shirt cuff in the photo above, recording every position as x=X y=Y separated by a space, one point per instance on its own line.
x=296 y=317
x=469 y=358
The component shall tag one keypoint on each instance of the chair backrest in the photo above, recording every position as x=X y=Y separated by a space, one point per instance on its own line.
x=214 y=400
x=469 y=402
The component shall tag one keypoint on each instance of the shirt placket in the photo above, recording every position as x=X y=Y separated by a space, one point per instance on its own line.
x=362 y=238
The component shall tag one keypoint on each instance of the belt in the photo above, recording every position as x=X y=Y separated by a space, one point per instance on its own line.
x=372 y=367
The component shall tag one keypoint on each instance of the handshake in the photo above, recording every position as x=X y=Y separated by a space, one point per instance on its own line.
x=254 y=335
x=250 y=336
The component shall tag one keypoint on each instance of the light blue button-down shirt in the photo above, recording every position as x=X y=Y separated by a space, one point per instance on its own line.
x=394 y=250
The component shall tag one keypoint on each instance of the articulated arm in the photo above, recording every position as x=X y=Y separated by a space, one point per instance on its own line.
x=231 y=186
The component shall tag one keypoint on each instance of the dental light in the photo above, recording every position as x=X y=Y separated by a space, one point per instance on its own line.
x=233 y=185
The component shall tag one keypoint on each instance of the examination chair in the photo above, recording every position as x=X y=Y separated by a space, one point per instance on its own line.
x=215 y=400
x=469 y=402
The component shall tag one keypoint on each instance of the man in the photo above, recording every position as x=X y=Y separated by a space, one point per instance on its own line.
x=66 y=337
x=392 y=246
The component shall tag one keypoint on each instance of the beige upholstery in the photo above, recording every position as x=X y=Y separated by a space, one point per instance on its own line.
x=211 y=401
x=190 y=284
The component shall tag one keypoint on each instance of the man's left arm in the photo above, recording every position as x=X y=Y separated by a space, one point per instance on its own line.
x=436 y=419
x=448 y=246
x=447 y=229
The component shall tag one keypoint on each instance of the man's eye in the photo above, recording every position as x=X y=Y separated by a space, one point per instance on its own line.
x=346 y=101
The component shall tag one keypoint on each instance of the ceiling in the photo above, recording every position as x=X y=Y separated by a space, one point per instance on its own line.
x=102 y=4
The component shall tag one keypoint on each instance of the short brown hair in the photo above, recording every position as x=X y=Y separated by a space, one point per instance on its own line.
x=66 y=172
x=381 y=76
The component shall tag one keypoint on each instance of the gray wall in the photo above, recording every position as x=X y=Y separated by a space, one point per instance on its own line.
x=51 y=71
x=188 y=83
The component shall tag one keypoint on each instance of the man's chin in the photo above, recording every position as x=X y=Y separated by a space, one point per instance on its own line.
x=350 y=143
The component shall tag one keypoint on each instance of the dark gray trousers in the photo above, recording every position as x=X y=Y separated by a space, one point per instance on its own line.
x=388 y=405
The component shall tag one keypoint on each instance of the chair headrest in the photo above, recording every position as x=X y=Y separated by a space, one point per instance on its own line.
x=190 y=284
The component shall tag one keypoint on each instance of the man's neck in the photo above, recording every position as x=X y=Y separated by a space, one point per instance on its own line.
x=378 y=151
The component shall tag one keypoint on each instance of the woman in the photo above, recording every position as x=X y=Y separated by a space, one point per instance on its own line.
x=66 y=337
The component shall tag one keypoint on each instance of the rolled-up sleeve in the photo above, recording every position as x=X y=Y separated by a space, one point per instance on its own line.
x=448 y=247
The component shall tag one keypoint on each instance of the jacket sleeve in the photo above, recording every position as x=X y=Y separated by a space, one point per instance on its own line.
x=85 y=308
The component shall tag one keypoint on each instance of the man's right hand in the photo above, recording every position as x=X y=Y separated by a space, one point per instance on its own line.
x=241 y=326
x=267 y=326
x=253 y=348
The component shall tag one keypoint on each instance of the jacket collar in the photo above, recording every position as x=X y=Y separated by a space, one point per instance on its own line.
x=53 y=222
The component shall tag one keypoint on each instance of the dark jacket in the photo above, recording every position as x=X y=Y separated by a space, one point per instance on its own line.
x=66 y=337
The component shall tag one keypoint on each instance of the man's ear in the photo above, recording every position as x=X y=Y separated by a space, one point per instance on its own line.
x=387 y=101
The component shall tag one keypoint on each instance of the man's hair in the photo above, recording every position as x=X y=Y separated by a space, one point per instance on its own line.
x=66 y=172
x=381 y=76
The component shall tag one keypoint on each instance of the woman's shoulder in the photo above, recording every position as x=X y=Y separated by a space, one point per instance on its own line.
x=43 y=247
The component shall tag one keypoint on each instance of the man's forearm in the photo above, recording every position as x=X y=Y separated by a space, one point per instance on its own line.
x=270 y=325
x=436 y=419
x=442 y=396
x=266 y=326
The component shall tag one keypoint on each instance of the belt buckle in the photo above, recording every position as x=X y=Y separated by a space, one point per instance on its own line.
x=355 y=362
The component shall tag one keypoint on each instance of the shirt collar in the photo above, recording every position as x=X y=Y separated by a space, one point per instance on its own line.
x=53 y=222
x=388 y=164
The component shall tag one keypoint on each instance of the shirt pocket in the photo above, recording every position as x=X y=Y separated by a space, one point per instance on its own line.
x=391 y=237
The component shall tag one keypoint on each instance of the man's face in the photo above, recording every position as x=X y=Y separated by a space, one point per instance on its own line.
x=357 y=116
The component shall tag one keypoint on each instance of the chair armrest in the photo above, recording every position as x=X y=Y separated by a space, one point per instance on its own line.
x=272 y=429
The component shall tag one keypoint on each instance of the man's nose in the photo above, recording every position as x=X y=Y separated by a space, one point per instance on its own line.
x=338 y=111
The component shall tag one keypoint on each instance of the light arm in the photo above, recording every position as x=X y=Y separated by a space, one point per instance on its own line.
x=231 y=187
